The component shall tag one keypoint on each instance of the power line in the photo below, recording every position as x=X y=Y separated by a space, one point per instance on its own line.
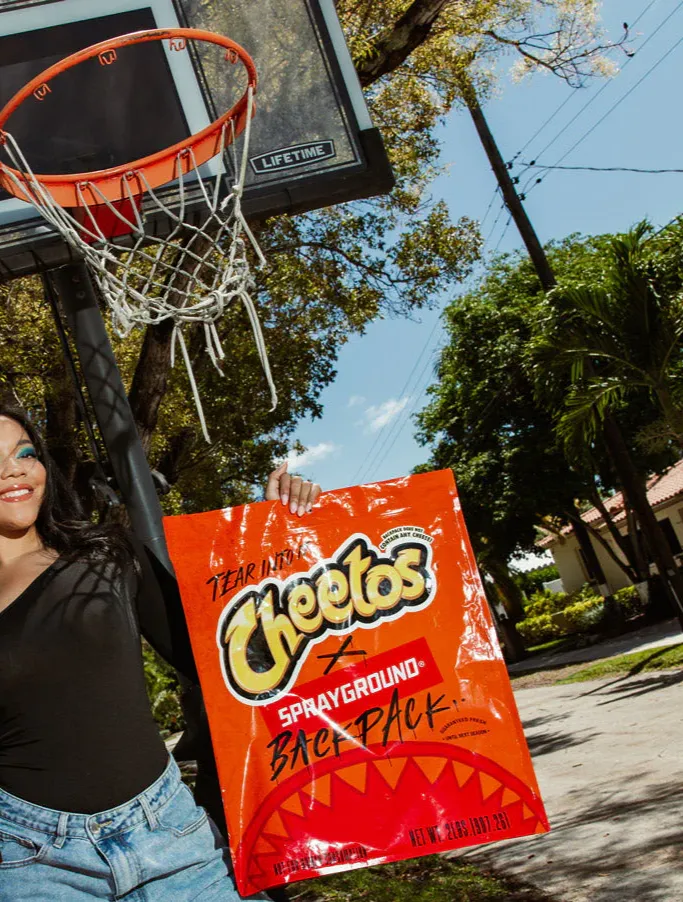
x=503 y=207
x=603 y=169
x=488 y=209
x=405 y=418
x=533 y=181
x=365 y=466
x=570 y=97
x=594 y=97
x=383 y=436
x=547 y=122
x=503 y=234
x=621 y=99
x=586 y=134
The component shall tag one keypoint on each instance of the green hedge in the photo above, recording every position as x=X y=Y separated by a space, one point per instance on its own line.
x=539 y=628
x=551 y=615
x=544 y=602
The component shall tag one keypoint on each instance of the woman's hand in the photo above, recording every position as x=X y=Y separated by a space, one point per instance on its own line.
x=300 y=494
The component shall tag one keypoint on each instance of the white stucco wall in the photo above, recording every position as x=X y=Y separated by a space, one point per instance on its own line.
x=570 y=565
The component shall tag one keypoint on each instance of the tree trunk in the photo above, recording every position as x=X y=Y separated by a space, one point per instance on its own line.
x=613 y=617
x=178 y=447
x=640 y=560
x=614 y=532
x=150 y=380
x=652 y=533
x=672 y=414
x=61 y=422
x=628 y=571
x=513 y=644
x=512 y=595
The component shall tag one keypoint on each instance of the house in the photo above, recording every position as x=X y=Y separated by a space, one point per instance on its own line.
x=665 y=494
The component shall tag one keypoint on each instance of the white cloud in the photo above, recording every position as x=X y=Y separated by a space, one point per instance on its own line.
x=380 y=415
x=297 y=460
x=355 y=400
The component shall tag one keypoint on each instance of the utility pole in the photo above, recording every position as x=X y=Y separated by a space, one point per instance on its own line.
x=618 y=450
x=509 y=192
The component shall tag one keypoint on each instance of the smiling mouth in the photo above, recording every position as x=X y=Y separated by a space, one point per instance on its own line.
x=16 y=495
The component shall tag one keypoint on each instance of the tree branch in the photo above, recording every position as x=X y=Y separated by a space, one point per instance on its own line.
x=393 y=47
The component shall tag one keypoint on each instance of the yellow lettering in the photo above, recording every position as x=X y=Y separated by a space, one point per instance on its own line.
x=358 y=566
x=413 y=580
x=333 y=594
x=303 y=608
x=381 y=575
x=278 y=631
x=338 y=597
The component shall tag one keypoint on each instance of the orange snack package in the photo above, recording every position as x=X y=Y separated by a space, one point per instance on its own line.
x=359 y=706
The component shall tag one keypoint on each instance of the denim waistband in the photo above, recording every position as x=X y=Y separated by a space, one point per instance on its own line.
x=93 y=826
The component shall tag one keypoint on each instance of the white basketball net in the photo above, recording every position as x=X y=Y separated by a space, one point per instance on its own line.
x=190 y=276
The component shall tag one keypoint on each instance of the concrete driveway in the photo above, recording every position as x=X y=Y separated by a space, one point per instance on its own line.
x=609 y=760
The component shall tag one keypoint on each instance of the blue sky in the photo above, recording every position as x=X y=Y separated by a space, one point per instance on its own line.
x=366 y=432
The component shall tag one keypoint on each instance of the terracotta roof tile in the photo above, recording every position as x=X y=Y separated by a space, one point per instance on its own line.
x=660 y=488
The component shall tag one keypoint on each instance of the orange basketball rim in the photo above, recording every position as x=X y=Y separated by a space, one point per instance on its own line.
x=158 y=169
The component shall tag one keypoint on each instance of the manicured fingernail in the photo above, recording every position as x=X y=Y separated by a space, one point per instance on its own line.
x=292 y=507
x=302 y=510
x=285 y=499
x=309 y=508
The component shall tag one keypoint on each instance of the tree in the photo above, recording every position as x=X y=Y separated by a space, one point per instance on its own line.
x=630 y=325
x=492 y=416
x=579 y=312
x=333 y=271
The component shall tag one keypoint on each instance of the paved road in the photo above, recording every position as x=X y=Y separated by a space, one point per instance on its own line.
x=609 y=760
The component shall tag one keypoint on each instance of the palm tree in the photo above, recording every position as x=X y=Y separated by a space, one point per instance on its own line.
x=624 y=335
x=610 y=340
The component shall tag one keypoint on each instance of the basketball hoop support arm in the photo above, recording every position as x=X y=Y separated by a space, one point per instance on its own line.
x=112 y=410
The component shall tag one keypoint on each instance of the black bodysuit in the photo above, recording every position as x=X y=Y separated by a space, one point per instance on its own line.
x=76 y=729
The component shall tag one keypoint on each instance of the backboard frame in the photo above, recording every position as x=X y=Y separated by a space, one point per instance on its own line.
x=26 y=245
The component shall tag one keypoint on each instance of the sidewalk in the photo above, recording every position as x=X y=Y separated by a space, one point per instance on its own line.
x=608 y=755
x=667 y=633
x=609 y=763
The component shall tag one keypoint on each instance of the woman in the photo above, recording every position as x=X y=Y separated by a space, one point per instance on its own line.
x=91 y=805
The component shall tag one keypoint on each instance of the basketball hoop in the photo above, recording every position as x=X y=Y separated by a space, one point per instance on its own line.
x=194 y=272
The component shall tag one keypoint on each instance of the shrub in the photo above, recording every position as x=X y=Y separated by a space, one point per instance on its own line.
x=538 y=628
x=585 y=593
x=554 y=614
x=584 y=615
x=544 y=602
x=532 y=581
x=629 y=599
x=163 y=691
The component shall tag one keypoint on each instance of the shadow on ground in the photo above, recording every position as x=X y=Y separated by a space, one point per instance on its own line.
x=596 y=838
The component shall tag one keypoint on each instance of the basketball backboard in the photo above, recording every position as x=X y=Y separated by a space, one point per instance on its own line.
x=313 y=143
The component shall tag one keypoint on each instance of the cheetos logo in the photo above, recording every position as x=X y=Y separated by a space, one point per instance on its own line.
x=266 y=632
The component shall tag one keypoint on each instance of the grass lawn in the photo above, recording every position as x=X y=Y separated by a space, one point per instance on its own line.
x=564 y=642
x=429 y=879
x=668 y=657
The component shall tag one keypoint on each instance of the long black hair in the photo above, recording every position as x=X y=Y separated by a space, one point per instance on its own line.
x=61 y=522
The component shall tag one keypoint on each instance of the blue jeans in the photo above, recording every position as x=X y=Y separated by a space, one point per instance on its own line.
x=159 y=847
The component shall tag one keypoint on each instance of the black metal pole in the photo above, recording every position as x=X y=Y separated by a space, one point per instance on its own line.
x=110 y=404
x=131 y=469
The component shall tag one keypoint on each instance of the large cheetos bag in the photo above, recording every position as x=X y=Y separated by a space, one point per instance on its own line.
x=359 y=706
